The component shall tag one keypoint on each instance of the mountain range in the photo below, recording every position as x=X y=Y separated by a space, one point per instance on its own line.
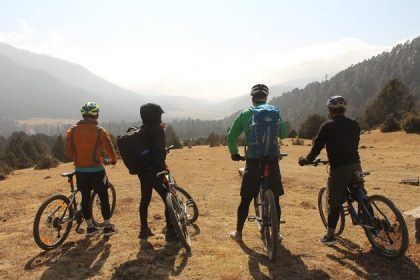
x=40 y=86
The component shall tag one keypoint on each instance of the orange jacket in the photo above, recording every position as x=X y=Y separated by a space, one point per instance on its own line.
x=85 y=141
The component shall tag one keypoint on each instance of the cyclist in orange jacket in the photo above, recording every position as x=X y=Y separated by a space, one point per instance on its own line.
x=84 y=144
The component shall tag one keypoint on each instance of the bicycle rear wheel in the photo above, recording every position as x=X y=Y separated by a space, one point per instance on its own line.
x=188 y=203
x=257 y=206
x=389 y=234
x=324 y=210
x=178 y=220
x=52 y=223
x=97 y=218
x=270 y=225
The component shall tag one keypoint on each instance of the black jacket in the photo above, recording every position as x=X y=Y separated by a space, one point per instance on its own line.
x=156 y=139
x=341 y=137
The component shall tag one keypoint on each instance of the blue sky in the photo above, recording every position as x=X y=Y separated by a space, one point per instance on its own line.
x=211 y=49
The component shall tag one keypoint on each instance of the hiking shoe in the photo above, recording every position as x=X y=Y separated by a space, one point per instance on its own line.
x=145 y=233
x=91 y=231
x=110 y=230
x=170 y=236
x=236 y=235
x=328 y=240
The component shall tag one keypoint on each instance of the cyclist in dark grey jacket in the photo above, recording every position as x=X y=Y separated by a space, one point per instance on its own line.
x=341 y=137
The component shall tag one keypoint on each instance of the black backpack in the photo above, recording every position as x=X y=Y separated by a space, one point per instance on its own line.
x=135 y=149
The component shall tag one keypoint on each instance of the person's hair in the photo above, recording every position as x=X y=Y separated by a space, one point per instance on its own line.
x=337 y=111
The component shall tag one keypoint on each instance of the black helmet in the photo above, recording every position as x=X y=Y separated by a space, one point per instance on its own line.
x=259 y=90
x=151 y=114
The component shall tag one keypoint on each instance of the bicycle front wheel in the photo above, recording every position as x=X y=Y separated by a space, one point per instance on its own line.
x=97 y=218
x=188 y=203
x=387 y=230
x=270 y=225
x=53 y=222
x=323 y=208
x=178 y=220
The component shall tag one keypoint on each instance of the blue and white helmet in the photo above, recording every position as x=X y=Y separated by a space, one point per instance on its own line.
x=336 y=101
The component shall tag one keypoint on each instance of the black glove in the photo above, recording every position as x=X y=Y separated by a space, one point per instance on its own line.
x=303 y=161
x=236 y=157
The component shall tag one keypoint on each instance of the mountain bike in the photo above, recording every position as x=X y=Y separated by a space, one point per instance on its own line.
x=381 y=220
x=55 y=216
x=183 y=210
x=266 y=212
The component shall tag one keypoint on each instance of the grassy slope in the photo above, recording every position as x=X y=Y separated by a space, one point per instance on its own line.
x=212 y=179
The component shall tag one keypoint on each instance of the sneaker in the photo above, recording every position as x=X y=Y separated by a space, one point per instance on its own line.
x=91 y=231
x=110 y=230
x=236 y=235
x=328 y=240
x=170 y=235
x=145 y=233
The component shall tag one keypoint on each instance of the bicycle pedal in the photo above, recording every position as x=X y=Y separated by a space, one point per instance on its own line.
x=251 y=218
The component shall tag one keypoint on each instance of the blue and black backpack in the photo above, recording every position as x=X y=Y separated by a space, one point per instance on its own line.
x=263 y=132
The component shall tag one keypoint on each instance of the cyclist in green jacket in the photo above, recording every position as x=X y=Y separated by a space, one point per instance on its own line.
x=252 y=174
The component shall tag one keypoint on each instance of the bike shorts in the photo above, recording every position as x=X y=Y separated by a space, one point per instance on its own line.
x=252 y=178
x=338 y=181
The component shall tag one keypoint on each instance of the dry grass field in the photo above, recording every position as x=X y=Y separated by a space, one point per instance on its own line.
x=212 y=179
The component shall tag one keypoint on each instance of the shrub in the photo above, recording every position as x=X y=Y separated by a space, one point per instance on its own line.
x=46 y=163
x=390 y=124
x=310 y=127
x=292 y=134
x=297 y=141
x=411 y=122
x=4 y=171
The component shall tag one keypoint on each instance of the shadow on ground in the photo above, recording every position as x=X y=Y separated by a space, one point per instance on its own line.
x=371 y=265
x=286 y=266
x=75 y=260
x=153 y=263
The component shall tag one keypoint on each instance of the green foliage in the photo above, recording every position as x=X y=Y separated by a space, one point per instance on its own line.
x=58 y=150
x=390 y=124
x=292 y=133
x=411 y=122
x=393 y=99
x=172 y=138
x=46 y=162
x=310 y=127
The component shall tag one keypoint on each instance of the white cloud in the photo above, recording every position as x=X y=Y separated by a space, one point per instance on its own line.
x=193 y=71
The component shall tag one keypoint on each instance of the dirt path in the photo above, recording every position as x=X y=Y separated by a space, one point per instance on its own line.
x=212 y=179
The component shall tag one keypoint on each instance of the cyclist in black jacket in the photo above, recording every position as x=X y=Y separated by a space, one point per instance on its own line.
x=341 y=137
x=151 y=115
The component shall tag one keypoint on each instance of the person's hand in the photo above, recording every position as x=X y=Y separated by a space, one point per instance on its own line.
x=303 y=161
x=236 y=157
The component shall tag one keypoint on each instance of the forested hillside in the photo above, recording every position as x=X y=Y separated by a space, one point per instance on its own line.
x=358 y=84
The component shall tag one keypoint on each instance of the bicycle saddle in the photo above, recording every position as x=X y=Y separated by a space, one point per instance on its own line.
x=68 y=174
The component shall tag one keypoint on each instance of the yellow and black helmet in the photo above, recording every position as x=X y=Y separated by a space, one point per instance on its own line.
x=90 y=108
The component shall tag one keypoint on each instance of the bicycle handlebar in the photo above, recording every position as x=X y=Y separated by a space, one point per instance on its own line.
x=318 y=162
x=282 y=155
x=169 y=148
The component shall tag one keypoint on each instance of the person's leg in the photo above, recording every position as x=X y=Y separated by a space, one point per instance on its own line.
x=84 y=186
x=249 y=189
x=100 y=185
x=161 y=190
x=146 y=188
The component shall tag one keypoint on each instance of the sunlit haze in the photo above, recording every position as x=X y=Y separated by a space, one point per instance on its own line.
x=208 y=49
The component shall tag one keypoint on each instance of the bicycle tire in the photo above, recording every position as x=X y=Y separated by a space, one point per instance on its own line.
x=323 y=212
x=96 y=204
x=43 y=242
x=383 y=225
x=189 y=203
x=270 y=230
x=177 y=221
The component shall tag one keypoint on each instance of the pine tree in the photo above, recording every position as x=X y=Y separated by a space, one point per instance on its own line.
x=394 y=99
x=172 y=138
x=58 y=149
x=310 y=127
